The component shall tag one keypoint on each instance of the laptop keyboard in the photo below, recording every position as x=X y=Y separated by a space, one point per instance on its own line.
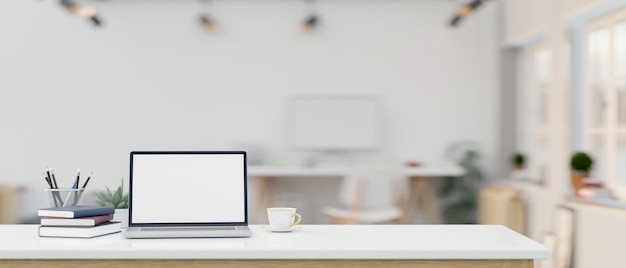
x=188 y=229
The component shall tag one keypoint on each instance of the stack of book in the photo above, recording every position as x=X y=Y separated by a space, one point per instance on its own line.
x=77 y=221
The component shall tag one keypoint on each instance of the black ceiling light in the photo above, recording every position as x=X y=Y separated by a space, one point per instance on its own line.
x=312 y=20
x=207 y=22
x=465 y=10
x=82 y=11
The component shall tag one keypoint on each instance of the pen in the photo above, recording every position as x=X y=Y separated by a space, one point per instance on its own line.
x=77 y=179
x=54 y=197
x=47 y=180
x=56 y=186
x=54 y=179
x=67 y=199
x=49 y=177
x=75 y=186
x=80 y=193
x=87 y=180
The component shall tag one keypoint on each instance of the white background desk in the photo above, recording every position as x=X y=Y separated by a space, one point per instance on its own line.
x=420 y=171
x=312 y=245
x=422 y=196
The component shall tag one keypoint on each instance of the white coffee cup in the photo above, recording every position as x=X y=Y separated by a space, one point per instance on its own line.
x=283 y=217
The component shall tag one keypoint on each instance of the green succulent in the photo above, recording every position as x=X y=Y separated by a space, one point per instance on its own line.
x=116 y=199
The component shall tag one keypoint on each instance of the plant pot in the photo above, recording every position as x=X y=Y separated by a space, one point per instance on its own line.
x=517 y=174
x=577 y=178
x=121 y=215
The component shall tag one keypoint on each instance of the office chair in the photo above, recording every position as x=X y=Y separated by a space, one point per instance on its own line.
x=369 y=196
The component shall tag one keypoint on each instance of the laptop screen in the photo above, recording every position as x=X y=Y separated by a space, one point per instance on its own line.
x=187 y=188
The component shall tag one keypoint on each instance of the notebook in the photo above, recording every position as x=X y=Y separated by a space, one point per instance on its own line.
x=185 y=194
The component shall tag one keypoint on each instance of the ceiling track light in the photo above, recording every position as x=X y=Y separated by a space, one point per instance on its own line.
x=310 y=23
x=82 y=11
x=206 y=21
x=465 y=11
x=312 y=20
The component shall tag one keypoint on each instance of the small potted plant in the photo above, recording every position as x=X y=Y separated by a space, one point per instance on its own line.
x=581 y=165
x=117 y=199
x=518 y=161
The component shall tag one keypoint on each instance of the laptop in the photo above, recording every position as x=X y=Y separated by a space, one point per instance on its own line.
x=187 y=194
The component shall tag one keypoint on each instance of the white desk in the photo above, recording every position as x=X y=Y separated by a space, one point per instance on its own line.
x=434 y=246
x=421 y=197
x=420 y=171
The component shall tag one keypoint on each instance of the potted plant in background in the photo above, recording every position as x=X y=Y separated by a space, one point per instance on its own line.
x=459 y=195
x=518 y=162
x=117 y=199
x=581 y=165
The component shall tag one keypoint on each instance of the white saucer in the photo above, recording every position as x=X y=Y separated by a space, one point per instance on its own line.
x=280 y=230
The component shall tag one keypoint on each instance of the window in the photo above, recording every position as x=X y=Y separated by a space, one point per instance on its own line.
x=605 y=107
x=535 y=76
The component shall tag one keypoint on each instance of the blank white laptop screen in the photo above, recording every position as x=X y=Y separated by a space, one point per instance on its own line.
x=188 y=188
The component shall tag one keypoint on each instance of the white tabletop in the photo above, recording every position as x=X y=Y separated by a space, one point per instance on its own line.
x=309 y=242
x=338 y=171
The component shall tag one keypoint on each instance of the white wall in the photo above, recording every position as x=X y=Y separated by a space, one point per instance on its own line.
x=526 y=18
x=152 y=79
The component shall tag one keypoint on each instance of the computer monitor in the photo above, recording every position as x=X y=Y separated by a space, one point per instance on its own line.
x=335 y=123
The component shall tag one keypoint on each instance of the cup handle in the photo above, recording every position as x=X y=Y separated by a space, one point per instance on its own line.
x=297 y=221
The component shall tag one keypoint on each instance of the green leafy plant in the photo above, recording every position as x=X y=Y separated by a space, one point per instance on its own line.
x=460 y=194
x=581 y=162
x=116 y=199
x=519 y=160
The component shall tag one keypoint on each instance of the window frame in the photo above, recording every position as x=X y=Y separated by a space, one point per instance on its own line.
x=610 y=132
x=535 y=94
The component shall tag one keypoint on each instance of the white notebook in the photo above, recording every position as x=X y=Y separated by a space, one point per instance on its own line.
x=80 y=231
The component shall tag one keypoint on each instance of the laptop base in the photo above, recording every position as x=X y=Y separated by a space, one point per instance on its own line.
x=137 y=232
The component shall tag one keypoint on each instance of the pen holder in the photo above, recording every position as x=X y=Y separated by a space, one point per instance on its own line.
x=65 y=197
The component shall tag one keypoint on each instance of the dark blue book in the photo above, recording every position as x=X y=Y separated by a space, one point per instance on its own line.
x=75 y=211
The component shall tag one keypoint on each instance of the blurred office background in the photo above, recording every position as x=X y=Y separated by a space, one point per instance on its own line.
x=82 y=88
